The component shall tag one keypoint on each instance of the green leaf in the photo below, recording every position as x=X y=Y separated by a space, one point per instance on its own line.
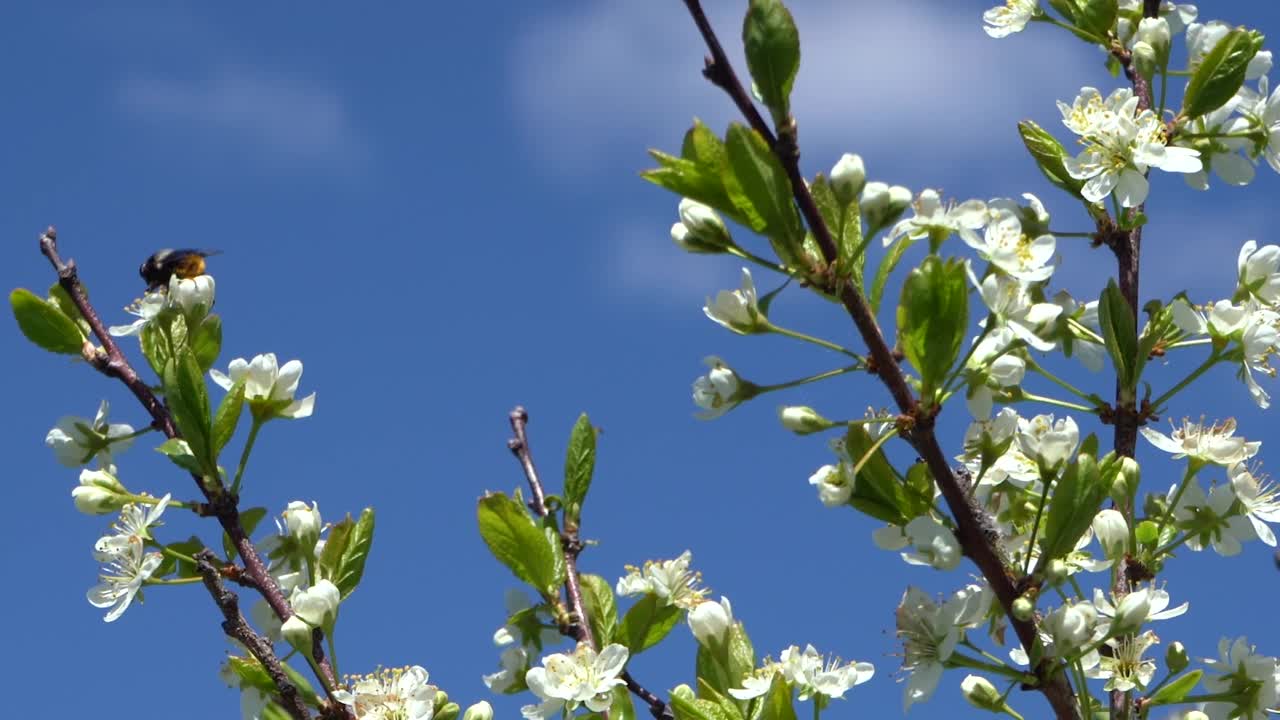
x=772 y=45
x=1066 y=7
x=741 y=657
x=206 y=342
x=1120 y=335
x=759 y=186
x=249 y=520
x=879 y=490
x=646 y=624
x=579 y=464
x=345 y=551
x=44 y=324
x=727 y=705
x=227 y=417
x=932 y=319
x=777 y=702
x=1146 y=532
x=251 y=673
x=513 y=537
x=711 y=671
x=1175 y=691
x=887 y=265
x=600 y=606
x=696 y=181
x=1096 y=17
x=622 y=708
x=155 y=347
x=1076 y=498
x=59 y=296
x=1221 y=73
x=188 y=401
x=180 y=568
x=179 y=452
x=698 y=709
x=1050 y=157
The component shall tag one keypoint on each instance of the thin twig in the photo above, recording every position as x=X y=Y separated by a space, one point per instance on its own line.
x=985 y=554
x=110 y=361
x=236 y=628
x=579 y=627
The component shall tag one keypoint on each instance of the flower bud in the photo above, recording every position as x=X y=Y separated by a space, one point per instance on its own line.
x=700 y=229
x=981 y=693
x=803 y=420
x=1112 y=531
x=1023 y=608
x=297 y=633
x=1175 y=658
x=192 y=295
x=881 y=204
x=99 y=493
x=848 y=178
x=1195 y=715
x=303 y=523
x=1057 y=572
x=1071 y=626
x=480 y=711
x=446 y=710
x=1131 y=612
x=1131 y=475
x=1144 y=59
x=318 y=604
x=1154 y=32
x=710 y=621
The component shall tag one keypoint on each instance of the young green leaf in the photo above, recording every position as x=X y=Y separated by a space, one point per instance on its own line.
x=1175 y=691
x=44 y=324
x=171 y=565
x=932 y=319
x=188 y=401
x=59 y=296
x=879 y=490
x=1221 y=72
x=206 y=341
x=758 y=185
x=227 y=416
x=1076 y=498
x=730 y=708
x=697 y=181
x=351 y=565
x=335 y=546
x=646 y=624
x=777 y=703
x=1096 y=17
x=622 y=707
x=579 y=464
x=1050 y=157
x=601 y=608
x=513 y=537
x=887 y=265
x=179 y=452
x=1120 y=334
x=698 y=709
x=772 y=45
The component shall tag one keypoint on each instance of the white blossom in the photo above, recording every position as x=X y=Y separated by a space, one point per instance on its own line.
x=585 y=677
x=400 y=693
x=848 y=177
x=1012 y=249
x=269 y=388
x=122 y=576
x=834 y=483
x=930 y=632
x=1135 y=609
x=1210 y=519
x=133 y=525
x=98 y=493
x=1206 y=444
x=1004 y=20
x=1260 y=500
x=1258 y=270
x=710 y=621
x=737 y=309
x=719 y=391
x=77 y=441
x=1048 y=441
x=1125 y=668
x=670 y=580
x=934 y=218
x=1249 y=677
x=812 y=674
x=935 y=545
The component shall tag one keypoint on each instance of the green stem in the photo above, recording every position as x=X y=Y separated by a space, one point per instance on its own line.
x=244 y=454
x=132 y=435
x=180 y=557
x=1086 y=331
x=1192 y=377
x=816 y=341
x=1024 y=395
x=1164 y=87
x=761 y=389
x=1058 y=381
x=1075 y=585
x=1173 y=545
x=1189 y=343
x=959 y=660
x=1083 y=696
x=1078 y=32
x=752 y=257
x=1035 y=527
x=1208 y=697
x=148 y=500
x=173 y=581
x=333 y=651
x=1193 y=467
x=857 y=468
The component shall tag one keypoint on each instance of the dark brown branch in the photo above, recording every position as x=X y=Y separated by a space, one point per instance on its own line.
x=984 y=553
x=111 y=362
x=236 y=628
x=579 y=625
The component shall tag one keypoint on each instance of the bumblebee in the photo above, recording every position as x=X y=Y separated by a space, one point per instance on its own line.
x=185 y=263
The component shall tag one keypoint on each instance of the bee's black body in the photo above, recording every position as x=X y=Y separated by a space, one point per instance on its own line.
x=164 y=264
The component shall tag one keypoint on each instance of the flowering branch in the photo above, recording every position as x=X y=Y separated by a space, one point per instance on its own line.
x=237 y=629
x=110 y=361
x=977 y=544
x=578 y=628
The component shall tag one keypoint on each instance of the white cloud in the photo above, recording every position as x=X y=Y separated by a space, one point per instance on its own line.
x=280 y=119
x=908 y=79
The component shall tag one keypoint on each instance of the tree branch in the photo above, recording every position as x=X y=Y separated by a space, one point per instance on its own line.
x=236 y=628
x=110 y=361
x=977 y=545
x=579 y=627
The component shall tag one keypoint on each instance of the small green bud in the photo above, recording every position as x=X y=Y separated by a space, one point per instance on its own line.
x=1144 y=59
x=981 y=693
x=447 y=711
x=297 y=633
x=803 y=420
x=700 y=229
x=1175 y=658
x=1023 y=608
x=1057 y=572
x=480 y=711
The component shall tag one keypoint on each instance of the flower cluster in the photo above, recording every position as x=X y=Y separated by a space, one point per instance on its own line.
x=671 y=581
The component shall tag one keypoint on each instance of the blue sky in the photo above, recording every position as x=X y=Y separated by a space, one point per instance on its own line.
x=438 y=211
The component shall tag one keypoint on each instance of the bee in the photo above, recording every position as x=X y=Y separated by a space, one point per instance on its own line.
x=164 y=264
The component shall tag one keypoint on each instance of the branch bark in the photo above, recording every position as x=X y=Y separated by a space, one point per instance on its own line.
x=969 y=530
x=579 y=626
